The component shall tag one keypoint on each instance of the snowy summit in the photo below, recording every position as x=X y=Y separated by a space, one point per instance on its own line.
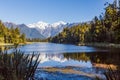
x=44 y=25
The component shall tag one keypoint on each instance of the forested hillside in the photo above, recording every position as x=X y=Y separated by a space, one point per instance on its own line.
x=105 y=28
x=11 y=35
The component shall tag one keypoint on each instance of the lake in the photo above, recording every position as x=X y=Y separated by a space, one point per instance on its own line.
x=70 y=62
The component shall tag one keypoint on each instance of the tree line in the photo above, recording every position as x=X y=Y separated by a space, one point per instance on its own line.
x=36 y=40
x=105 y=28
x=11 y=35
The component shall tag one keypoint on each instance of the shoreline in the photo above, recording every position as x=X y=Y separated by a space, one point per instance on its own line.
x=12 y=44
x=6 y=44
x=101 y=45
x=105 y=66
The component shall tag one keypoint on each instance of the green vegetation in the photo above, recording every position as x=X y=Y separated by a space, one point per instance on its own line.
x=36 y=40
x=18 y=66
x=105 y=29
x=11 y=35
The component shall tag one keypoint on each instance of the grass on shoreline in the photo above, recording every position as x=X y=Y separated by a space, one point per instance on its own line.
x=6 y=44
x=12 y=44
x=101 y=45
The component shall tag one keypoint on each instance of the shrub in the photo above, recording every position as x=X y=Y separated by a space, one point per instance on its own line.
x=18 y=66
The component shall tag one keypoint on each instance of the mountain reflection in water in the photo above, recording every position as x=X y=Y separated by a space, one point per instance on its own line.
x=60 y=60
x=63 y=56
x=79 y=59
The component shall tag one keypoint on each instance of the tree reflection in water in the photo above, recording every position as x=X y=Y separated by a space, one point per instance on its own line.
x=96 y=57
x=77 y=56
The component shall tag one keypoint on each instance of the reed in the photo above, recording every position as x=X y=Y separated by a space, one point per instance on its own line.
x=18 y=66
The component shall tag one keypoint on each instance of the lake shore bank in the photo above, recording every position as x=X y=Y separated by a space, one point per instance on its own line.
x=12 y=44
x=6 y=44
x=101 y=45
x=105 y=66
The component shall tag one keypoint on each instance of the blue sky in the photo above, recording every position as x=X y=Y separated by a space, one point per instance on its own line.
x=31 y=11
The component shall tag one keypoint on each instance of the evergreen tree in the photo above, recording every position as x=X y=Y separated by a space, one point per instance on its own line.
x=106 y=28
x=10 y=35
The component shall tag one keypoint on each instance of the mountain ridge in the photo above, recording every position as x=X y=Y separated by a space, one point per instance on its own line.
x=40 y=29
x=25 y=29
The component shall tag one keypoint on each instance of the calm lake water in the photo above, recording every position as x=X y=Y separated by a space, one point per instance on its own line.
x=80 y=58
x=53 y=55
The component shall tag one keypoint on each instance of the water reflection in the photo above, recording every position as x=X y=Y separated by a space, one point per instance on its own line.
x=96 y=57
x=61 y=54
x=55 y=48
x=80 y=62
x=4 y=48
x=60 y=60
x=79 y=59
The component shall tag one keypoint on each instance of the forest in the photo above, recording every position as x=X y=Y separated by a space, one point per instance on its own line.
x=11 y=35
x=102 y=29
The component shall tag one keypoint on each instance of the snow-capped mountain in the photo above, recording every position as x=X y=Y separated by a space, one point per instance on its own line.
x=40 y=24
x=48 y=30
x=44 y=25
x=40 y=29
x=58 y=24
x=29 y=32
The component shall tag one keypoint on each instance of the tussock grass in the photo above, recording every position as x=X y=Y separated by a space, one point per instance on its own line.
x=17 y=66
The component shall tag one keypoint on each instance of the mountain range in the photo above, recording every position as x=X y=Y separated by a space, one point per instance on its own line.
x=40 y=29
